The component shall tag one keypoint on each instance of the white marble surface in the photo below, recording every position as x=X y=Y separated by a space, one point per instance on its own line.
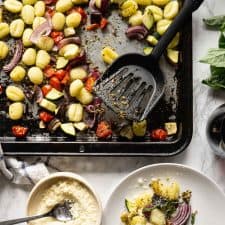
x=105 y=173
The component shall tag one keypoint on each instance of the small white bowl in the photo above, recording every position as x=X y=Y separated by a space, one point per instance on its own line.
x=46 y=182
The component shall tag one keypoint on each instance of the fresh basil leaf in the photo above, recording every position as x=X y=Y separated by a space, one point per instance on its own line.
x=217 y=79
x=222 y=40
x=215 y=57
x=215 y=22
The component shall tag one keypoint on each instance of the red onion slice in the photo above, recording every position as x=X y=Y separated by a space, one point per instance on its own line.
x=44 y=29
x=137 y=32
x=16 y=57
x=182 y=215
x=70 y=40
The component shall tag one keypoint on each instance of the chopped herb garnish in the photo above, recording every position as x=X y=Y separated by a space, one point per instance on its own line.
x=193 y=217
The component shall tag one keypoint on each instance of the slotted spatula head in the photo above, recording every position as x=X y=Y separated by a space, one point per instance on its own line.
x=129 y=87
x=134 y=83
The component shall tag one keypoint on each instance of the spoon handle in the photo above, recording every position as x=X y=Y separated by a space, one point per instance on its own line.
x=21 y=220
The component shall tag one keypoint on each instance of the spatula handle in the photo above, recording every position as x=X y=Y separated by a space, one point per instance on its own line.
x=185 y=13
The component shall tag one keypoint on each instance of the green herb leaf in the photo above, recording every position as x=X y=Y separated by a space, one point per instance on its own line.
x=215 y=22
x=217 y=79
x=222 y=37
x=215 y=57
x=193 y=217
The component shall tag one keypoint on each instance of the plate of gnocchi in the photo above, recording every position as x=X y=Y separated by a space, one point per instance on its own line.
x=165 y=194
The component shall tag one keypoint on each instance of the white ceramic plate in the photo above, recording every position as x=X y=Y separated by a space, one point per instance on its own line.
x=207 y=198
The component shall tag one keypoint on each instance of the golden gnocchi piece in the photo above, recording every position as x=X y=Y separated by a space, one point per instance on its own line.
x=69 y=51
x=63 y=5
x=75 y=87
x=42 y=59
x=108 y=55
x=29 y=57
x=14 y=93
x=29 y=2
x=35 y=75
x=160 y=2
x=171 y=10
x=13 y=6
x=84 y=96
x=16 y=28
x=75 y=112
x=4 y=50
x=136 y=19
x=58 y=21
x=78 y=73
x=16 y=110
x=162 y=26
x=152 y=40
x=17 y=74
x=4 y=30
x=26 y=37
x=38 y=20
x=128 y=8
x=27 y=14
x=69 y=31
x=39 y=8
x=45 y=43
x=73 y=19
x=156 y=12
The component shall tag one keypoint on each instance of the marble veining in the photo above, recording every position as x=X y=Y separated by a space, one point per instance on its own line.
x=105 y=173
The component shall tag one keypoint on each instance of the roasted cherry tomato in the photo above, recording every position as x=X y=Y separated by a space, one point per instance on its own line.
x=55 y=82
x=60 y=74
x=103 y=23
x=19 y=131
x=66 y=79
x=45 y=116
x=93 y=26
x=159 y=134
x=46 y=88
x=49 y=71
x=57 y=36
x=103 y=130
x=90 y=82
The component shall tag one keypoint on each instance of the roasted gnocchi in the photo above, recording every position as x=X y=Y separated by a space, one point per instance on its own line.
x=29 y=57
x=14 y=93
x=58 y=21
x=39 y=8
x=108 y=55
x=73 y=20
x=16 y=28
x=13 y=6
x=26 y=37
x=128 y=8
x=4 y=30
x=4 y=50
x=42 y=59
x=35 y=75
x=17 y=74
x=27 y=14
x=16 y=110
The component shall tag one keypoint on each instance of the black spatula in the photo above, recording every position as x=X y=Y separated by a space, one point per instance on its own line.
x=134 y=83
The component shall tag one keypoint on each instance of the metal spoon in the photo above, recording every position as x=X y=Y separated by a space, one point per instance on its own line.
x=60 y=212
